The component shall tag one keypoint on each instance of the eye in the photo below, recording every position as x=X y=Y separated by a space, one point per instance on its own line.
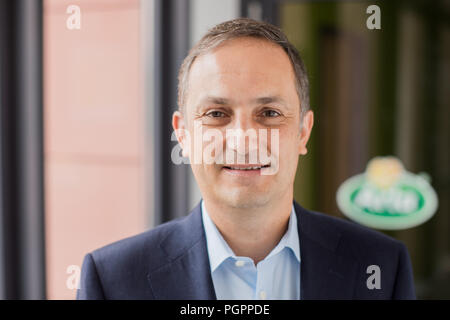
x=215 y=114
x=271 y=113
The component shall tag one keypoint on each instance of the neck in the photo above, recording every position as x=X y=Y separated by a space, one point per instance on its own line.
x=252 y=232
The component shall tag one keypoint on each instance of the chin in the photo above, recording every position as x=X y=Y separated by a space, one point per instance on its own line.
x=242 y=200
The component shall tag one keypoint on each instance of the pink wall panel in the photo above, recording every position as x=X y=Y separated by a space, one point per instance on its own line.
x=94 y=129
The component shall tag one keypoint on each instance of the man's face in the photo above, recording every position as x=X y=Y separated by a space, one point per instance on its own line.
x=245 y=83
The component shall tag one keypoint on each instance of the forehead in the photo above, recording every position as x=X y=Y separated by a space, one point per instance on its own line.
x=242 y=68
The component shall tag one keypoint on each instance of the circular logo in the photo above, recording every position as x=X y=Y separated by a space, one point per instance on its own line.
x=387 y=196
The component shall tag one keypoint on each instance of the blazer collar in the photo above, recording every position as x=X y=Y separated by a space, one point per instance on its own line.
x=326 y=272
x=186 y=273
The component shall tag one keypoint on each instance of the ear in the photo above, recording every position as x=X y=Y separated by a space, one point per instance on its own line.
x=179 y=127
x=305 y=132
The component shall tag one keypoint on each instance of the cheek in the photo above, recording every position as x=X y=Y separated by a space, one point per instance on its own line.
x=203 y=174
x=289 y=143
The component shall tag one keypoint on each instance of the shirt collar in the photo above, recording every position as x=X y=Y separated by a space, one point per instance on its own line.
x=219 y=251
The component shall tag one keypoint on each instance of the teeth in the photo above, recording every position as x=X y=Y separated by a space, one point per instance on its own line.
x=248 y=168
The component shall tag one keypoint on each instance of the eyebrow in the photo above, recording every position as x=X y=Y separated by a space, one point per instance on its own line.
x=269 y=100
x=215 y=100
x=226 y=101
x=221 y=101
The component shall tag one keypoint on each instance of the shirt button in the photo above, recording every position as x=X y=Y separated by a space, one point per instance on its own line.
x=263 y=295
x=239 y=263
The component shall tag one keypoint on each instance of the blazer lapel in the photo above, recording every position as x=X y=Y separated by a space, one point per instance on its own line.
x=186 y=275
x=325 y=273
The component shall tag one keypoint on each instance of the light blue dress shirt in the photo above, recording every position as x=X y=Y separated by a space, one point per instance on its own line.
x=234 y=277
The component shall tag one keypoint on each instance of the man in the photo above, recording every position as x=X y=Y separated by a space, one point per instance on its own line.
x=247 y=238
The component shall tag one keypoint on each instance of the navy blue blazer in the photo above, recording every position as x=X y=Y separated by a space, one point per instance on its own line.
x=171 y=262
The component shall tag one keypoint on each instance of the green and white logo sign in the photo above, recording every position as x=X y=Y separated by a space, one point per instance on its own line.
x=387 y=196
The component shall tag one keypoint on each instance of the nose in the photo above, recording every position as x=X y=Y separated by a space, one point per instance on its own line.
x=242 y=138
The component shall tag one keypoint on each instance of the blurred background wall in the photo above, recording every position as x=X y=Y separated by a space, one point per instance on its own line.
x=378 y=92
x=109 y=89
x=94 y=132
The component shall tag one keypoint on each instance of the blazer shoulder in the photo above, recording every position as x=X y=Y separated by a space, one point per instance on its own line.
x=354 y=235
x=119 y=270
x=138 y=250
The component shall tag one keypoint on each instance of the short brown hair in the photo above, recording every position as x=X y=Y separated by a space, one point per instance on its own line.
x=244 y=27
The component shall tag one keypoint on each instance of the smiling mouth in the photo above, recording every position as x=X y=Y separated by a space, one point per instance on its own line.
x=246 y=167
